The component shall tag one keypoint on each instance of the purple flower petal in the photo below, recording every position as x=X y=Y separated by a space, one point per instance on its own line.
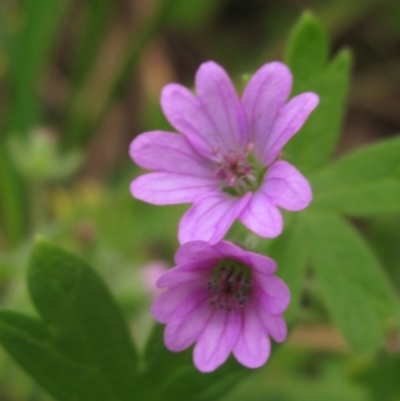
x=255 y=260
x=262 y=264
x=196 y=250
x=271 y=292
x=164 y=151
x=217 y=340
x=290 y=119
x=211 y=217
x=262 y=216
x=185 y=273
x=274 y=325
x=233 y=251
x=221 y=103
x=187 y=114
x=263 y=97
x=287 y=187
x=187 y=322
x=164 y=306
x=170 y=188
x=253 y=347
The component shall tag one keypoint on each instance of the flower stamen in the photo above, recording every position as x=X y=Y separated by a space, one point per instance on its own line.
x=238 y=172
x=230 y=287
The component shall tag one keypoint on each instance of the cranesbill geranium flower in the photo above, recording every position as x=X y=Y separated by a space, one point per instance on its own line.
x=226 y=158
x=224 y=299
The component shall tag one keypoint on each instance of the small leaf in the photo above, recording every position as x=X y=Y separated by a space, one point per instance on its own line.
x=290 y=251
x=306 y=57
x=352 y=281
x=178 y=379
x=307 y=52
x=82 y=349
x=364 y=182
x=29 y=341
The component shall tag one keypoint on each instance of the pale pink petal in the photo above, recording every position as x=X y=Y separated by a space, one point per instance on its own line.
x=164 y=151
x=290 y=119
x=198 y=270
x=170 y=188
x=273 y=286
x=262 y=216
x=261 y=263
x=221 y=102
x=196 y=250
x=252 y=347
x=181 y=333
x=211 y=217
x=287 y=187
x=217 y=340
x=274 y=325
x=271 y=292
x=167 y=302
x=263 y=97
x=231 y=250
x=187 y=114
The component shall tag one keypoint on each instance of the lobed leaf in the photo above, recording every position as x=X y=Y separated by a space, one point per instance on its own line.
x=307 y=59
x=353 y=284
x=364 y=182
x=30 y=342
x=81 y=350
x=307 y=52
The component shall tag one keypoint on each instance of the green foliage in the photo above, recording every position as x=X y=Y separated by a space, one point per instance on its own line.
x=191 y=13
x=363 y=182
x=307 y=59
x=381 y=377
x=97 y=15
x=81 y=350
x=38 y=158
x=29 y=55
x=353 y=284
x=307 y=52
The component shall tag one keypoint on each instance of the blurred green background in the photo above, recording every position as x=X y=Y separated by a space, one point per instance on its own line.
x=80 y=79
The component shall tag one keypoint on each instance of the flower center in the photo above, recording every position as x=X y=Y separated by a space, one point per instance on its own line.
x=230 y=286
x=236 y=172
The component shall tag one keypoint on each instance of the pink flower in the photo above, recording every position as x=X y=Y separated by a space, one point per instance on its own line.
x=226 y=158
x=225 y=300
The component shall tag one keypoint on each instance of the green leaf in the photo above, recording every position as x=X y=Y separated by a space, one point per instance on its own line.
x=29 y=342
x=307 y=52
x=178 y=379
x=290 y=251
x=82 y=349
x=352 y=282
x=364 y=182
x=307 y=59
x=29 y=54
